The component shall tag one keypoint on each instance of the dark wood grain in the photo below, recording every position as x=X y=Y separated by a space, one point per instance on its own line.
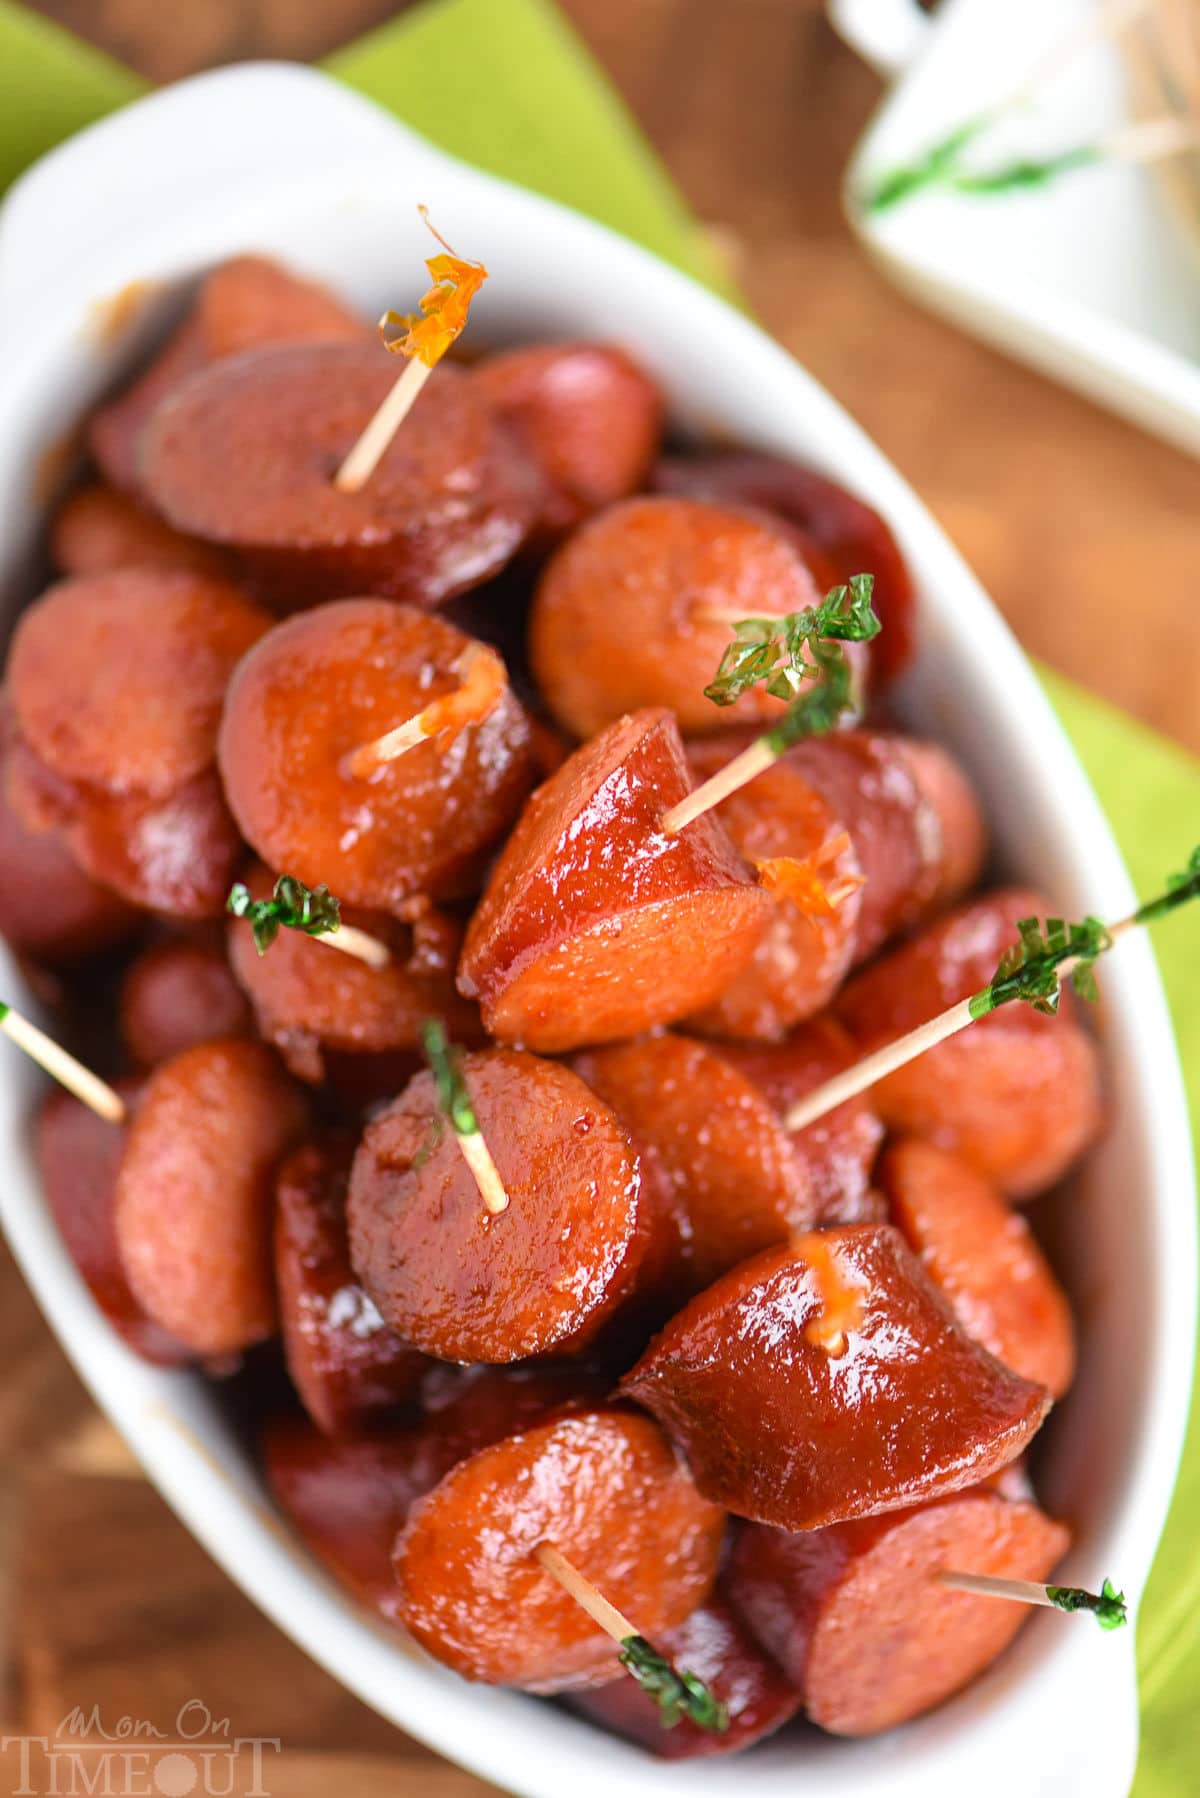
x=1082 y=528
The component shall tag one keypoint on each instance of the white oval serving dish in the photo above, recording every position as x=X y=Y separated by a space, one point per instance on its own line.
x=280 y=159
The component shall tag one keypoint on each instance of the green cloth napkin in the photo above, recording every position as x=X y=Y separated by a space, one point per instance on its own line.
x=509 y=87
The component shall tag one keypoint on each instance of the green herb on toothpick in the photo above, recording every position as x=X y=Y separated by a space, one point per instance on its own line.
x=678 y=1694
x=93 y=1092
x=1032 y=971
x=781 y=654
x=454 y=1104
x=311 y=910
x=1107 y=1606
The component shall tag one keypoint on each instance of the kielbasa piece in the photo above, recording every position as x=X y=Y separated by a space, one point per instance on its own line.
x=858 y=1617
x=716 y=1646
x=244 y=304
x=53 y=911
x=589 y=416
x=603 y=1487
x=345 y=1362
x=621 y=618
x=853 y=536
x=1018 y=1095
x=839 y=1149
x=118 y=680
x=734 y=1175
x=318 y=687
x=348 y=1496
x=175 y=995
x=244 y=455
x=781 y=1428
x=595 y=925
x=98 y=529
x=983 y=1256
x=539 y=1278
x=308 y=997
x=195 y=1193
x=803 y=955
x=916 y=827
x=78 y=1155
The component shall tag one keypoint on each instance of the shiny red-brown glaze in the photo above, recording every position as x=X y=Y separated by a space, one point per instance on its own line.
x=98 y=529
x=319 y=686
x=117 y=680
x=595 y=925
x=1018 y=1094
x=243 y=304
x=853 y=536
x=859 y=1619
x=243 y=455
x=588 y=415
x=177 y=994
x=735 y=1182
x=603 y=1487
x=715 y=1645
x=984 y=1258
x=195 y=1193
x=311 y=997
x=345 y=1363
x=779 y=1429
x=78 y=1155
x=915 y=825
x=540 y=1277
x=348 y=1496
x=839 y=1150
x=619 y=618
x=803 y=955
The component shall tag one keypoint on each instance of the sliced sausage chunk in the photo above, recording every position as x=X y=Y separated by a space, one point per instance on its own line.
x=98 y=530
x=830 y=1380
x=857 y=1615
x=176 y=994
x=595 y=925
x=1018 y=1094
x=327 y=682
x=984 y=1257
x=605 y=1489
x=540 y=1277
x=195 y=1192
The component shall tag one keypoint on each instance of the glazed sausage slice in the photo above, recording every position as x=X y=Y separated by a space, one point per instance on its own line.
x=983 y=1256
x=605 y=1489
x=589 y=416
x=117 y=680
x=244 y=304
x=539 y=1278
x=176 y=994
x=803 y=955
x=98 y=530
x=320 y=685
x=736 y=1183
x=839 y=1150
x=243 y=455
x=858 y=1617
x=78 y=1156
x=780 y=1427
x=195 y=1193
x=715 y=1645
x=916 y=826
x=1018 y=1094
x=852 y=535
x=345 y=1363
x=594 y=924
x=348 y=1496
x=621 y=617
x=310 y=998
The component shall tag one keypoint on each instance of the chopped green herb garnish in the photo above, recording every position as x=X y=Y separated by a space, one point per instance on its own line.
x=1107 y=1605
x=292 y=906
x=783 y=653
x=453 y=1098
x=677 y=1694
x=931 y=169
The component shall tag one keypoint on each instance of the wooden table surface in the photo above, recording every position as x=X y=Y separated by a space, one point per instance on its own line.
x=1082 y=528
